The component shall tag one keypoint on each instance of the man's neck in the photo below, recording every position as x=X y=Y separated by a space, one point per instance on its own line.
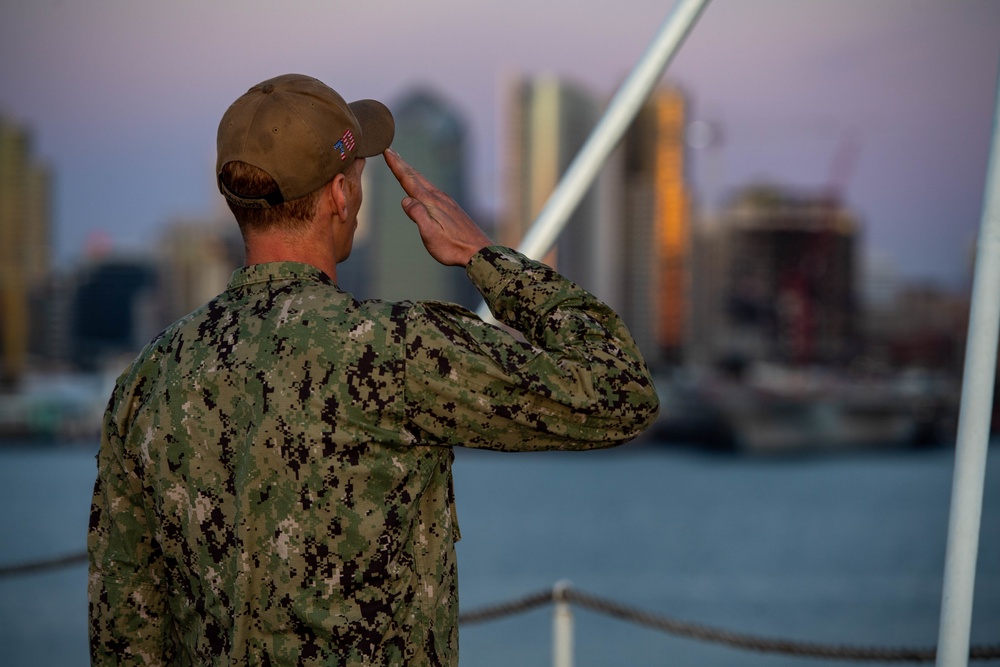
x=264 y=248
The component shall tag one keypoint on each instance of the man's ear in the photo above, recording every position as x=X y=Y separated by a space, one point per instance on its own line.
x=337 y=191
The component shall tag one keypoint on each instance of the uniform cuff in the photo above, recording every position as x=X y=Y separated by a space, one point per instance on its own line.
x=492 y=268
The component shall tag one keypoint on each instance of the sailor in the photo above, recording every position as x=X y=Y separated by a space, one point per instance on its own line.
x=275 y=474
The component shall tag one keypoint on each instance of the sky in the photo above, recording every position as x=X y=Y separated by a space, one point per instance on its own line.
x=890 y=102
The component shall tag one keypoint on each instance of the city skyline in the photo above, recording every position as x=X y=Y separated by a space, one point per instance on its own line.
x=123 y=99
x=771 y=280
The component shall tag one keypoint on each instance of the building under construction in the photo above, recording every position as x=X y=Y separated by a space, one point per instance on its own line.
x=785 y=264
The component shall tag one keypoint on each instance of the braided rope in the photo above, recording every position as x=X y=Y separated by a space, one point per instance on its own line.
x=43 y=565
x=715 y=635
x=498 y=611
x=562 y=593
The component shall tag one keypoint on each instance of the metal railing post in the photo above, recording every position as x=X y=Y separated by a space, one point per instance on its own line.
x=562 y=627
x=621 y=111
x=973 y=425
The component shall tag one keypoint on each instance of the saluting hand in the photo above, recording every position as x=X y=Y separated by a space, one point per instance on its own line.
x=449 y=234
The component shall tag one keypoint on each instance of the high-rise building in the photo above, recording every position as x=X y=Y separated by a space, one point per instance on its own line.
x=113 y=310
x=24 y=244
x=196 y=259
x=627 y=241
x=707 y=341
x=790 y=275
x=388 y=260
x=655 y=224
x=548 y=121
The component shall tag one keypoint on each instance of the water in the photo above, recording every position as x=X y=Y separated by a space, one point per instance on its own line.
x=45 y=496
x=842 y=550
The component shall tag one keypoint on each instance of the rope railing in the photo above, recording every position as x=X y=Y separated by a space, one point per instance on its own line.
x=748 y=642
x=563 y=593
x=43 y=565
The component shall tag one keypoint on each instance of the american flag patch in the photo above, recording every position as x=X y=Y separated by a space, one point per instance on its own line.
x=345 y=144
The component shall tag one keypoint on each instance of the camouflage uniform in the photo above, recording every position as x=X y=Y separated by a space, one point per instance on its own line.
x=274 y=483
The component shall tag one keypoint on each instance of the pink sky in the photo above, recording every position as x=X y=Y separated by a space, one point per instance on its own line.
x=124 y=95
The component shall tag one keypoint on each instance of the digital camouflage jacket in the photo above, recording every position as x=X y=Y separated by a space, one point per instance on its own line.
x=274 y=478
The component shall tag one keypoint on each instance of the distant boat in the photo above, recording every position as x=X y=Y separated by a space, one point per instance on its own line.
x=779 y=410
x=55 y=408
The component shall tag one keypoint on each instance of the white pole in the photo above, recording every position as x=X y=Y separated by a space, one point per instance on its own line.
x=973 y=426
x=562 y=627
x=619 y=115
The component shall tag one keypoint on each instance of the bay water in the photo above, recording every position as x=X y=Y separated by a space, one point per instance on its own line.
x=835 y=549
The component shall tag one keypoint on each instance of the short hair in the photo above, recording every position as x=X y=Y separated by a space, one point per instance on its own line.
x=250 y=181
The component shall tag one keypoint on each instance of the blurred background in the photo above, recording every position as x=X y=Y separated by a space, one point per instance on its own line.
x=788 y=228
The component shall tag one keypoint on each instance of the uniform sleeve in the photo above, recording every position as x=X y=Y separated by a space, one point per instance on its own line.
x=577 y=381
x=128 y=619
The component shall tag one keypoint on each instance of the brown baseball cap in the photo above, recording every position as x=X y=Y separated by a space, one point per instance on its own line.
x=301 y=132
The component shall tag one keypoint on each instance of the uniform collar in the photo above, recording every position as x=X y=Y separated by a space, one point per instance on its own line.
x=276 y=272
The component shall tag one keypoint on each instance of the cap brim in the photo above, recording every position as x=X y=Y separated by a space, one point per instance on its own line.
x=377 y=127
